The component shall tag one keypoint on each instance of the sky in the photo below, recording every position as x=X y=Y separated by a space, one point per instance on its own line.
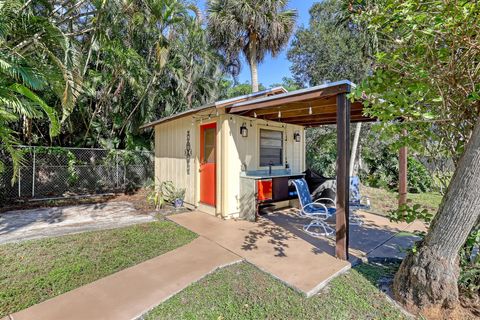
x=272 y=70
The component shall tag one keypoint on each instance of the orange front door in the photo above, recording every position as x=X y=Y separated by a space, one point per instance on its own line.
x=208 y=139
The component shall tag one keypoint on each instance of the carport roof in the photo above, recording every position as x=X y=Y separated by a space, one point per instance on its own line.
x=307 y=107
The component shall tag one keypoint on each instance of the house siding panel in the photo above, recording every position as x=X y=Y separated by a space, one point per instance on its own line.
x=170 y=160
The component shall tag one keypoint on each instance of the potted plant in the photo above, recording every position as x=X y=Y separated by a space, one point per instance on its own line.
x=166 y=193
x=155 y=196
x=179 y=196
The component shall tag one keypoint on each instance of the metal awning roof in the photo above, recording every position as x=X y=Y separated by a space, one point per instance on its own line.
x=307 y=107
x=178 y=115
x=218 y=105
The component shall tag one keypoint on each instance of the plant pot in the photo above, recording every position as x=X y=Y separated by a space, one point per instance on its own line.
x=178 y=203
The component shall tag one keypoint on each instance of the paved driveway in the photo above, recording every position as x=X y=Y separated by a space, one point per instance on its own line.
x=28 y=224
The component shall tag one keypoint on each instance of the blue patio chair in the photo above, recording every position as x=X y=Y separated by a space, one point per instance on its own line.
x=315 y=210
x=357 y=202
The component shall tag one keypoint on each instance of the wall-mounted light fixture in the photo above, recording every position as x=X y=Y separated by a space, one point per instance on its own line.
x=296 y=136
x=244 y=130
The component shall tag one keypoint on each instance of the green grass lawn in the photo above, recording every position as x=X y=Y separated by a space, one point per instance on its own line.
x=36 y=270
x=241 y=291
x=383 y=201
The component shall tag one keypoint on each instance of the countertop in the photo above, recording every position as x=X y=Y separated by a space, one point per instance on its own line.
x=264 y=174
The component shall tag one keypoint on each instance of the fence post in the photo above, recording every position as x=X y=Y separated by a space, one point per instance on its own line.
x=19 y=182
x=116 y=166
x=124 y=172
x=33 y=174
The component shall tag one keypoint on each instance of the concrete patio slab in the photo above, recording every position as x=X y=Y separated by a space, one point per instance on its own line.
x=272 y=248
x=376 y=236
x=37 y=223
x=131 y=292
x=278 y=245
x=395 y=247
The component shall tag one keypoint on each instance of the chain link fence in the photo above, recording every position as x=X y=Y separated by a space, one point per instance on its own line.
x=53 y=172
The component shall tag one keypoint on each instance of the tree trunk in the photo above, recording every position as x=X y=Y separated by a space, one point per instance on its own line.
x=253 y=62
x=427 y=279
x=353 y=153
x=402 y=175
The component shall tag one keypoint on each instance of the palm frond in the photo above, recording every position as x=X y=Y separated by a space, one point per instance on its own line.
x=49 y=111
x=9 y=141
x=17 y=69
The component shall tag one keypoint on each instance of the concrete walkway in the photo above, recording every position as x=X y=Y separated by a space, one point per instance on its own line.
x=270 y=247
x=131 y=292
x=37 y=223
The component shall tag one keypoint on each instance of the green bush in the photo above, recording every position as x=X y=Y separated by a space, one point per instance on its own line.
x=469 y=280
x=379 y=158
x=321 y=151
x=382 y=171
x=419 y=179
x=381 y=167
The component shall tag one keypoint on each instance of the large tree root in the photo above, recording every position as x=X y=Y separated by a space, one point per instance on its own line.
x=425 y=281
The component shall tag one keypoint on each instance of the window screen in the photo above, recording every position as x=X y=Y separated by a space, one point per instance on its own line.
x=271 y=147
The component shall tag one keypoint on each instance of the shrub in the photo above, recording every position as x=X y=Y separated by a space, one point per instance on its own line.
x=469 y=280
x=382 y=171
x=419 y=179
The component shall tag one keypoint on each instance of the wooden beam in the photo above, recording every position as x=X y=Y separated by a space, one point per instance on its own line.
x=323 y=102
x=317 y=117
x=329 y=121
x=343 y=178
x=300 y=97
x=288 y=113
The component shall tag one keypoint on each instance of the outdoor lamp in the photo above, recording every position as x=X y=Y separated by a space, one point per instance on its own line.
x=244 y=130
x=296 y=136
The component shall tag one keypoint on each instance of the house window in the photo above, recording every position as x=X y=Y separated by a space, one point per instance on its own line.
x=271 y=147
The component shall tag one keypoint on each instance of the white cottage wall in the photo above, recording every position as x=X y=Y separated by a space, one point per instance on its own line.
x=239 y=150
x=170 y=160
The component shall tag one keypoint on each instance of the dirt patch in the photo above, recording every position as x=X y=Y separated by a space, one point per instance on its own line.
x=457 y=313
x=35 y=223
x=137 y=198
x=471 y=303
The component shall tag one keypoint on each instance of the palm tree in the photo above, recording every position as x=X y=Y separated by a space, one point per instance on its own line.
x=254 y=27
x=35 y=55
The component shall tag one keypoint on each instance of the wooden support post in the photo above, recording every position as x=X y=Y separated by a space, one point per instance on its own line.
x=343 y=176
x=402 y=176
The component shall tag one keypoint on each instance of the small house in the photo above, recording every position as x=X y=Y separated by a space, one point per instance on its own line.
x=234 y=155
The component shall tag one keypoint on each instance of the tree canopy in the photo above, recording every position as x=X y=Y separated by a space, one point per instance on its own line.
x=426 y=81
x=105 y=67
x=330 y=48
x=428 y=72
